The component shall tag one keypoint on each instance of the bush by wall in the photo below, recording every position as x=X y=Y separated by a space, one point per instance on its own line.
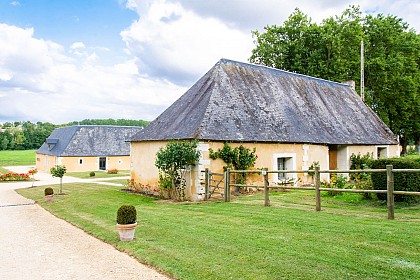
x=402 y=181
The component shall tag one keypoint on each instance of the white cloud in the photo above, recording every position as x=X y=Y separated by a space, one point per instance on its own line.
x=77 y=45
x=176 y=43
x=168 y=48
x=38 y=81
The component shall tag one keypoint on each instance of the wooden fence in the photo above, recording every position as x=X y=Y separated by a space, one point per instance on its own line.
x=317 y=188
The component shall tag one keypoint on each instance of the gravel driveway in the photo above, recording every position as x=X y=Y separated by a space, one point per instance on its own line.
x=37 y=245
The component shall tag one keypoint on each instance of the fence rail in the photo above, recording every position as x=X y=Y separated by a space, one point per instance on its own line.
x=317 y=186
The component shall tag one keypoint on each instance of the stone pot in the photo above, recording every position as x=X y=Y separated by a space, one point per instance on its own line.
x=126 y=232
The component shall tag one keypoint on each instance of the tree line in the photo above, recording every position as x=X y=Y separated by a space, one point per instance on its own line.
x=26 y=135
x=332 y=50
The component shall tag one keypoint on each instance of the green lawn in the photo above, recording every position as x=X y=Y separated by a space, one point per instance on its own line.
x=245 y=240
x=98 y=174
x=21 y=157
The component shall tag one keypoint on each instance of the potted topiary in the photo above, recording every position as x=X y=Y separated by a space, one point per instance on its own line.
x=49 y=194
x=126 y=222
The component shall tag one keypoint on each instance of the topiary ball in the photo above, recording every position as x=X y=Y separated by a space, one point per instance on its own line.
x=126 y=214
x=92 y=174
x=48 y=191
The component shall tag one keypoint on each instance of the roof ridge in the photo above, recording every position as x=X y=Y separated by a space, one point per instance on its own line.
x=226 y=60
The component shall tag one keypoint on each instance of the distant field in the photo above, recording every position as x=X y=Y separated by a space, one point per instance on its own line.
x=11 y=158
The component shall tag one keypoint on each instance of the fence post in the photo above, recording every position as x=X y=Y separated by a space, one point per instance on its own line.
x=227 y=187
x=206 y=184
x=266 y=189
x=317 y=191
x=390 y=191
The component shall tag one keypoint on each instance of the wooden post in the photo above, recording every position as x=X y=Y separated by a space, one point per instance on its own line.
x=317 y=191
x=266 y=189
x=227 y=187
x=390 y=191
x=206 y=184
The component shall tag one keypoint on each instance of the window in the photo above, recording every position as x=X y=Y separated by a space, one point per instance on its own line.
x=284 y=161
x=119 y=161
x=80 y=161
x=381 y=152
x=281 y=165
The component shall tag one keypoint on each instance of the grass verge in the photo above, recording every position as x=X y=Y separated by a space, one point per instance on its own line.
x=245 y=240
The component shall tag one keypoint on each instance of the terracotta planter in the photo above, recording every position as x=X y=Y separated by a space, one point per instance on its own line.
x=49 y=198
x=126 y=231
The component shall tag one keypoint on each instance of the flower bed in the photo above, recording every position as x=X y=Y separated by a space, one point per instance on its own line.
x=144 y=189
x=11 y=176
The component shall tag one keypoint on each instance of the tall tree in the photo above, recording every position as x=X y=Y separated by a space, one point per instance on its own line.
x=331 y=51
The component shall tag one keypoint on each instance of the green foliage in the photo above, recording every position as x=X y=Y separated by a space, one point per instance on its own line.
x=24 y=135
x=402 y=181
x=126 y=214
x=59 y=171
x=173 y=160
x=336 y=182
x=92 y=174
x=359 y=162
x=48 y=191
x=240 y=158
x=120 y=122
x=312 y=167
x=331 y=50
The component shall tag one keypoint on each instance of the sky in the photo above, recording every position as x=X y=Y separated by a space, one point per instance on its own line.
x=63 y=61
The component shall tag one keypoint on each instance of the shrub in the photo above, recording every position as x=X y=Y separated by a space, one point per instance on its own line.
x=48 y=191
x=126 y=214
x=402 y=181
x=92 y=174
x=113 y=171
x=173 y=161
x=359 y=162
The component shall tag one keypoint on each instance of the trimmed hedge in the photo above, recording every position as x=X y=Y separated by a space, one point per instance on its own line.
x=402 y=181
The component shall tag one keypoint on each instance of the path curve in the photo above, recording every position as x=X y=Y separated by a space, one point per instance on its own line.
x=37 y=245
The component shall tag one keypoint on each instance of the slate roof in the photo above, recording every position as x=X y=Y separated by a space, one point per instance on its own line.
x=89 y=140
x=244 y=102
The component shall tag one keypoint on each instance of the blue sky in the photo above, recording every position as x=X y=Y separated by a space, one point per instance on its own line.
x=70 y=60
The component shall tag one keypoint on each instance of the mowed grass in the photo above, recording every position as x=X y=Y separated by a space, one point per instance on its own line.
x=20 y=157
x=245 y=240
x=98 y=174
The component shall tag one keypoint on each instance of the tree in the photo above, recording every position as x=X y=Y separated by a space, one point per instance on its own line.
x=59 y=171
x=173 y=160
x=4 y=143
x=331 y=51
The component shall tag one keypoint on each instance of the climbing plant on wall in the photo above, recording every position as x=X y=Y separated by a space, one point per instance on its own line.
x=239 y=158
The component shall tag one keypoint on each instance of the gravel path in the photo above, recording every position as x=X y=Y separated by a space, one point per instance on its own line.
x=37 y=245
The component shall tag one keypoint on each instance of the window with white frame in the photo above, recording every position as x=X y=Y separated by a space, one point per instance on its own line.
x=285 y=161
x=382 y=152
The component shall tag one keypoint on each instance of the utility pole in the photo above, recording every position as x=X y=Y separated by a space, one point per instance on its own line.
x=362 y=71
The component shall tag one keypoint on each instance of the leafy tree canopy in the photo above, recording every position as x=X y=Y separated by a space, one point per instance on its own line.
x=331 y=50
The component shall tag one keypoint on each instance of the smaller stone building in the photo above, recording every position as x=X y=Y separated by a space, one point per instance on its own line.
x=87 y=148
x=292 y=120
